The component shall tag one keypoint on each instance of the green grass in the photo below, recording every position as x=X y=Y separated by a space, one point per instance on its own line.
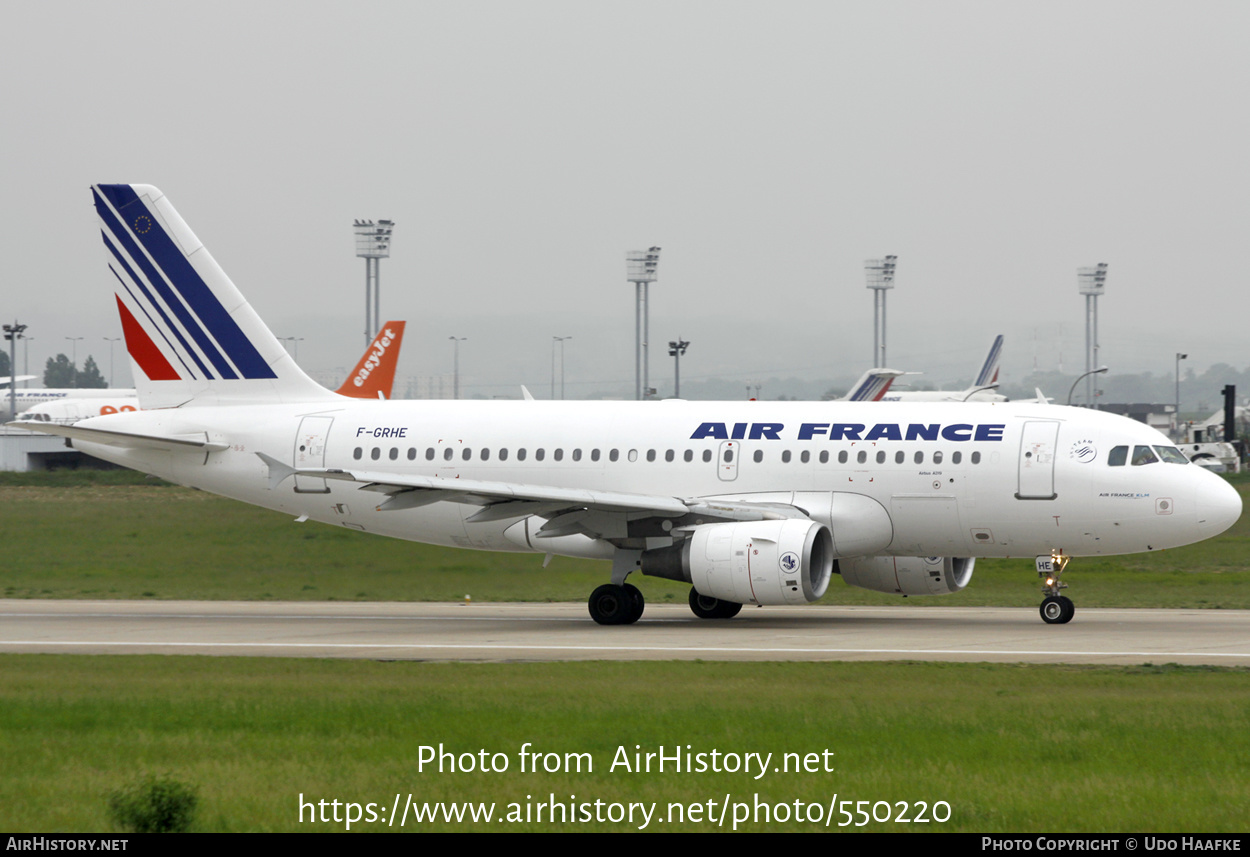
x=1010 y=748
x=145 y=540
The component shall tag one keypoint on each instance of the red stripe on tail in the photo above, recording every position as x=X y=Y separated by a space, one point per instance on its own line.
x=143 y=350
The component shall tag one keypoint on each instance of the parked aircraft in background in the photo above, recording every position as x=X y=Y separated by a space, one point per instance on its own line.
x=982 y=389
x=373 y=378
x=749 y=502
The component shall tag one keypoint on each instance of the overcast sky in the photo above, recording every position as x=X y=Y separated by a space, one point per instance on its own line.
x=770 y=148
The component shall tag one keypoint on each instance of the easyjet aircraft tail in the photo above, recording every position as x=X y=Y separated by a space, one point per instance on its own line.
x=194 y=340
x=374 y=375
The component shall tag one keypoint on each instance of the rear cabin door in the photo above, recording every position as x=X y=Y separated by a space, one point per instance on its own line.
x=310 y=452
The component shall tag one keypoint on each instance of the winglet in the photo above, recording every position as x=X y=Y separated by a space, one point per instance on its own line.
x=526 y=394
x=278 y=472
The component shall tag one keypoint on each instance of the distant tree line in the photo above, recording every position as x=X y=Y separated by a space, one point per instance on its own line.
x=61 y=373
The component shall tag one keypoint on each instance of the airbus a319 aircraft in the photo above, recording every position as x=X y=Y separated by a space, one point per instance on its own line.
x=749 y=502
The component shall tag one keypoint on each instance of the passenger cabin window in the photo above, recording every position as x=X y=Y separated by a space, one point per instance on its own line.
x=1143 y=455
x=956 y=456
x=689 y=456
x=881 y=456
x=919 y=458
x=785 y=457
x=412 y=453
x=375 y=453
x=614 y=455
x=1118 y=456
x=824 y=456
x=520 y=454
x=668 y=456
x=503 y=454
x=937 y=457
x=976 y=458
x=862 y=457
x=650 y=455
x=805 y=456
x=707 y=455
x=594 y=455
x=429 y=454
x=842 y=457
x=485 y=454
x=447 y=454
x=540 y=454
x=577 y=455
x=394 y=453
x=558 y=455
x=758 y=456
x=467 y=454
x=358 y=453
x=899 y=457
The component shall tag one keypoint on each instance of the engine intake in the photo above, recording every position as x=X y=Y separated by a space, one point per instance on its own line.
x=750 y=562
x=908 y=575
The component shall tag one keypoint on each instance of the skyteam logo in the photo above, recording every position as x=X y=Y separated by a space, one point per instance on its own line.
x=789 y=562
x=1083 y=451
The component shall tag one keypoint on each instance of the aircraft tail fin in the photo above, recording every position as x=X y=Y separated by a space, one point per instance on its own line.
x=871 y=386
x=192 y=337
x=374 y=375
x=989 y=369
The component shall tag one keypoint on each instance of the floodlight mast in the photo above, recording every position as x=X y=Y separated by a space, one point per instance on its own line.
x=373 y=243
x=13 y=332
x=880 y=274
x=676 y=348
x=1090 y=282
x=642 y=268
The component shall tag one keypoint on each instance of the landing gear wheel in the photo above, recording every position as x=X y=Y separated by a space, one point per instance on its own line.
x=1052 y=610
x=612 y=605
x=1069 y=607
x=707 y=607
x=637 y=603
x=1056 y=609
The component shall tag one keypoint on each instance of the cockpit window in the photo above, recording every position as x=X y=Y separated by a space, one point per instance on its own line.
x=1143 y=455
x=1171 y=455
x=1118 y=456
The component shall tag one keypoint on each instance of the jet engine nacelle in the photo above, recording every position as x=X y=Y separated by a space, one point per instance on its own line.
x=750 y=562
x=908 y=575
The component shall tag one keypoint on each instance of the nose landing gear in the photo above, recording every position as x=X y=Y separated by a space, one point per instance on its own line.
x=1056 y=609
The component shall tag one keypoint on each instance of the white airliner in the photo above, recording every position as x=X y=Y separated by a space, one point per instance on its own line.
x=373 y=378
x=750 y=502
x=982 y=389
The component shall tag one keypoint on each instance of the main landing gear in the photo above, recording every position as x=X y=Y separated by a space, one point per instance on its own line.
x=707 y=607
x=1056 y=609
x=616 y=604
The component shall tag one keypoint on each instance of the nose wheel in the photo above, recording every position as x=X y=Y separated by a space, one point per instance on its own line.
x=1056 y=609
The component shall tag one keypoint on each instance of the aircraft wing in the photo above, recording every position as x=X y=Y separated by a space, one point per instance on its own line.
x=501 y=500
x=183 y=442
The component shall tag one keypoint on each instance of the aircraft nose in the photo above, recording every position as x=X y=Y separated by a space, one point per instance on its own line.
x=1219 y=505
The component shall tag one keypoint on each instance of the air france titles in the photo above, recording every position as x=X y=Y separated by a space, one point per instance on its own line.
x=853 y=431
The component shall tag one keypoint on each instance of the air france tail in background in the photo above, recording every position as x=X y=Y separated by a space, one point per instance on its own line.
x=192 y=336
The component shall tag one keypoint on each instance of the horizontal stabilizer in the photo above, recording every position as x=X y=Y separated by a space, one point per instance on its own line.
x=170 y=443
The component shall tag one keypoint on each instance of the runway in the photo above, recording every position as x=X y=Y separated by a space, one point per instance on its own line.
x=563 y=632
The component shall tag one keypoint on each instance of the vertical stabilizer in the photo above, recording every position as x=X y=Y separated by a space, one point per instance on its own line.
x=989 y=369
x=374 y=375
x=191 y=336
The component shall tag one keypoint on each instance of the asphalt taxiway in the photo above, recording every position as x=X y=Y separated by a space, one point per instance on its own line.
x=561 y=632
